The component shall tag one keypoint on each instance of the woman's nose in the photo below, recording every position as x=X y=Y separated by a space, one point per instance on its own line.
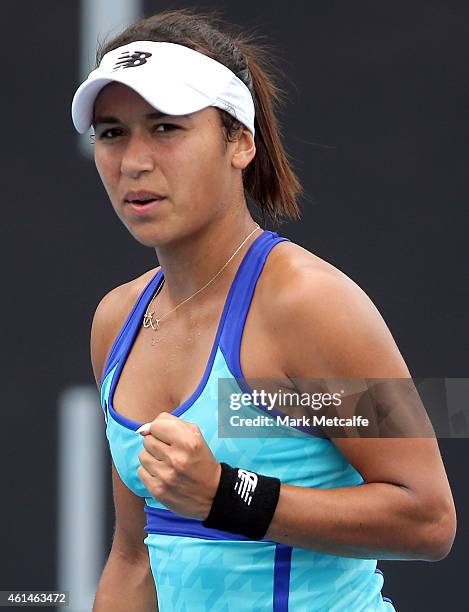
x=137 y=158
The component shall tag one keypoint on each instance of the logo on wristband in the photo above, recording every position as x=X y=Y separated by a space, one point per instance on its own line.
x=245 y=485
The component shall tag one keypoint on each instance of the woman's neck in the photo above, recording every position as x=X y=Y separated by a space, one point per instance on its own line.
x=191 y=262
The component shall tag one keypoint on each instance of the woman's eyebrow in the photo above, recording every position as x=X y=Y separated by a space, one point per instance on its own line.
x=108 y=119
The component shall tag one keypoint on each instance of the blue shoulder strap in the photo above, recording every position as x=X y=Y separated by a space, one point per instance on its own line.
x=132 y=324
x=243 y=291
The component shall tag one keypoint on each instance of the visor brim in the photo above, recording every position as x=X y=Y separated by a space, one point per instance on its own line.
x=172 y=98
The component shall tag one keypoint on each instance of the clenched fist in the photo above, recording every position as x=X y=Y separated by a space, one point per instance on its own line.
x=177 y=466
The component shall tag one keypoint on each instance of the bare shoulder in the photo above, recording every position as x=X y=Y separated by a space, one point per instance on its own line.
x=294 y=274
x=321 y=316
x=110 y=316
x=288 y=259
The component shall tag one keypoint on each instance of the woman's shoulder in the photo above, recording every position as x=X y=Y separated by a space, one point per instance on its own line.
x=313 y=308
x=291 y=268
x=134 y=287
x=110 y=315
x=119 y=301
x=300 y=282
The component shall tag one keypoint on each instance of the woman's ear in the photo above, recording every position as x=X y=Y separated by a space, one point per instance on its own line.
x=244 y=150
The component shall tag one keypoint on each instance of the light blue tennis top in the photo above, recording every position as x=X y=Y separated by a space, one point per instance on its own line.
x=200 y=569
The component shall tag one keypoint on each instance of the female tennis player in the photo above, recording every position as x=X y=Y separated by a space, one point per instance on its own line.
x=183 y=114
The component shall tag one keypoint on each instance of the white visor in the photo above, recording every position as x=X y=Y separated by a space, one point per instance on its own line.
x=174 y=79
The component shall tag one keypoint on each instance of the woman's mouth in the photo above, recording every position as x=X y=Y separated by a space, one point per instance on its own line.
x=141 y=207
x=142 y=202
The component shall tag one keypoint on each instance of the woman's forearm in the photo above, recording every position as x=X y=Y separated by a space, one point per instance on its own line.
x=370 y=521
x=126 y=584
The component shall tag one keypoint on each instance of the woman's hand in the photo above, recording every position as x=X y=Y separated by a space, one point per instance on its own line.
x=177 y=466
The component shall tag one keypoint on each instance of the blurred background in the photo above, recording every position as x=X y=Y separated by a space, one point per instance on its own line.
x=376 y=125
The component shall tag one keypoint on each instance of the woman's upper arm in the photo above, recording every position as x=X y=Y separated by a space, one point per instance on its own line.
x=105 y=326
x=108 y=319
x=336 y=332
x=110 y=316
x=129 y=508
x=130 y=521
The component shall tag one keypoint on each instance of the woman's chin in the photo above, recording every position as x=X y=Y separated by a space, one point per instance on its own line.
x=152 y=236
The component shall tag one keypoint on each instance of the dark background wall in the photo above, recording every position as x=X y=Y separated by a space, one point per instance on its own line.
x=376 y=123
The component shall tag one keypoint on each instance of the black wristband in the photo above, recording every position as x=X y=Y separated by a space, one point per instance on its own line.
x=244 y=503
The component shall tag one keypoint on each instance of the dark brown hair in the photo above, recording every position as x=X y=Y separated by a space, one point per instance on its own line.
x=269 y=179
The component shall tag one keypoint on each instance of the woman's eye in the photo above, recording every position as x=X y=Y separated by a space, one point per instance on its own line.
x=112 y=133
x=108 y=134
x=165 y=127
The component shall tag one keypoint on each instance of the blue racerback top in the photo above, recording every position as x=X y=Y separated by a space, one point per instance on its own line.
x=201 y=569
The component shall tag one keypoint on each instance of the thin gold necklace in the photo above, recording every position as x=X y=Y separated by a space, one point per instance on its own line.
x=155 y=324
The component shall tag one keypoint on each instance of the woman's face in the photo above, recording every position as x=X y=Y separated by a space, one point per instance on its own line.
x=184 y=160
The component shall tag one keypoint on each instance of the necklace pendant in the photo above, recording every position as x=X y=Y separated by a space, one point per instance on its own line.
x=148 y=319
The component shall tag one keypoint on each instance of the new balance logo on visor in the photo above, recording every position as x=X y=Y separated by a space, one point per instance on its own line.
x=127 y=60
x=246 y=484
